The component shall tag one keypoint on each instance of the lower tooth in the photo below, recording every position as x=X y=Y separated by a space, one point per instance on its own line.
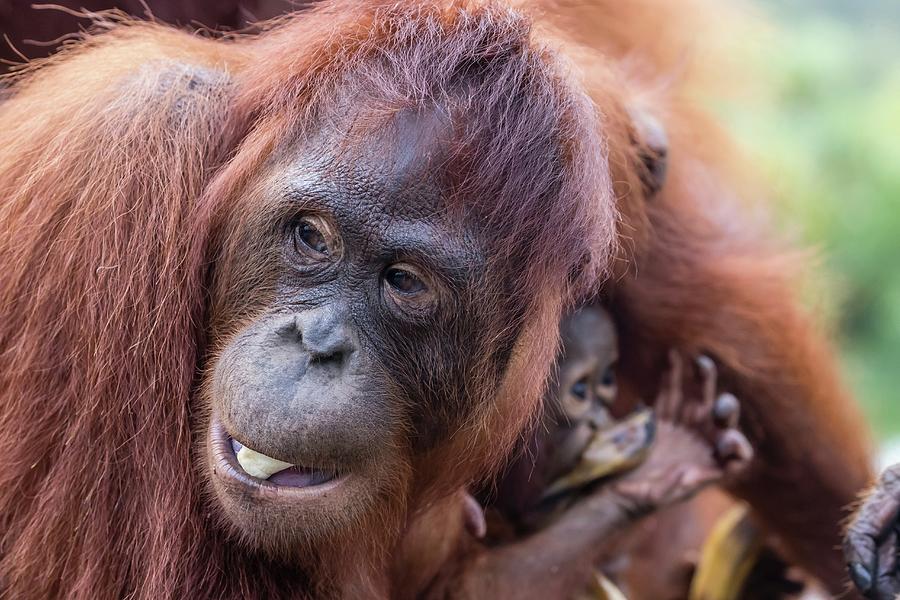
x=259 y=465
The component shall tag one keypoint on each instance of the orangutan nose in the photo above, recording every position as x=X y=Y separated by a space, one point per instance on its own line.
x=326 y=334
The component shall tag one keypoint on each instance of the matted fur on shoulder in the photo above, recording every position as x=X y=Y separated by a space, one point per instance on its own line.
x=103 y=153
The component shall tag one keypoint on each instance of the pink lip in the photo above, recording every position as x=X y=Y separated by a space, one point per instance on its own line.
x=293 y=482
x=296 y=476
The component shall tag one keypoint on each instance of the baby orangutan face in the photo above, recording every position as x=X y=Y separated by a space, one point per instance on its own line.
x=578 y=400
x=578 y=429
x=644 y=461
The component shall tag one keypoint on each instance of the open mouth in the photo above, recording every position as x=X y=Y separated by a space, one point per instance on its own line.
x=242 y=465
x=257 y=464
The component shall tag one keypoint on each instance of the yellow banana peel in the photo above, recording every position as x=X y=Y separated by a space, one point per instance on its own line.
x=616 y=449
x=727 y=558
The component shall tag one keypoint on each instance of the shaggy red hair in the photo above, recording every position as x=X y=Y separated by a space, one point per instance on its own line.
x=703 y=272
x=118 y=158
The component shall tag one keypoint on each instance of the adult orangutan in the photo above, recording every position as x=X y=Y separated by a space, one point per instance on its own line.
x=330 y=244
x=345 y=244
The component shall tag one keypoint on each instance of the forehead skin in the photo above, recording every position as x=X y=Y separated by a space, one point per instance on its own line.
x=382 y=187
x=589 y=333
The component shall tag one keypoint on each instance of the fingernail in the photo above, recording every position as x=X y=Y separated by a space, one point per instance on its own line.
x=705 y=362
x=725 y=406
x=861 y=577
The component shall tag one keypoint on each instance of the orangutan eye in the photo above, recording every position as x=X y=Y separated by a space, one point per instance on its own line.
x=404 y=281
x=580 y=389
x=609 y=378
x=606 y=387
x=309 y=238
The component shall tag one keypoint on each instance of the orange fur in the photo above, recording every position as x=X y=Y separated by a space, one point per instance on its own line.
x=105 y=150
x=129 y=165
x=704 y=274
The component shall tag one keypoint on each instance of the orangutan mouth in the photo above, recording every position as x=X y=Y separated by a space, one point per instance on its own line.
x=277 y=472
x=241 y=467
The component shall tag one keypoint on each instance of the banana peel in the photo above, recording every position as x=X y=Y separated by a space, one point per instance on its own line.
x=601 y=588
x=618 y=448
x=726 y=561
x=732 y=548
x=728 y=556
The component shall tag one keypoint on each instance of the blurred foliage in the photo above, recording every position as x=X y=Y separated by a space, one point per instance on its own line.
x=828 y=136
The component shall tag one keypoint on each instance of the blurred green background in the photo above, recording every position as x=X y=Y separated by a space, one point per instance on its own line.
x=826 y=129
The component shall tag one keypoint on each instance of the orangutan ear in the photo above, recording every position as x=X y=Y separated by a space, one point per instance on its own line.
x=652 y=150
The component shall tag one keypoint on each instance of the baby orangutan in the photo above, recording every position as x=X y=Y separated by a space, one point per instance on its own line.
x=584 y=477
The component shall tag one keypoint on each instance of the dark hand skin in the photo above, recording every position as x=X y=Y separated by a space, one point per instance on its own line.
x=682 y=464
x=872 y=544
x=698 y=445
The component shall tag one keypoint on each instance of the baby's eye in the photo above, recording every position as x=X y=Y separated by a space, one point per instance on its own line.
x=580 y=388
x=609 y=377
x=606 y=387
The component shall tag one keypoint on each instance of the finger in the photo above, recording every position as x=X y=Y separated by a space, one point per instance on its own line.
x=875 y=518
x=676 y=387
x=886 y=578
x=708 y=385
x=473 y=516
x=670 y=394
x=861 y=574
x=726 y=411
x=733 y=445
x=734 y=451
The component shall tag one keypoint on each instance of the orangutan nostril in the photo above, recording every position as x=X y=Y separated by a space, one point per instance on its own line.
x=328 y=358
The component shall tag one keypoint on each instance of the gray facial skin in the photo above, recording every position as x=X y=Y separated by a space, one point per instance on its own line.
x=358 y=352
x=304 y=382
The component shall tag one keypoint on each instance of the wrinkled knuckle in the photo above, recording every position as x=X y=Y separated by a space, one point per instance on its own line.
x=891 y=478
x=857 y=539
